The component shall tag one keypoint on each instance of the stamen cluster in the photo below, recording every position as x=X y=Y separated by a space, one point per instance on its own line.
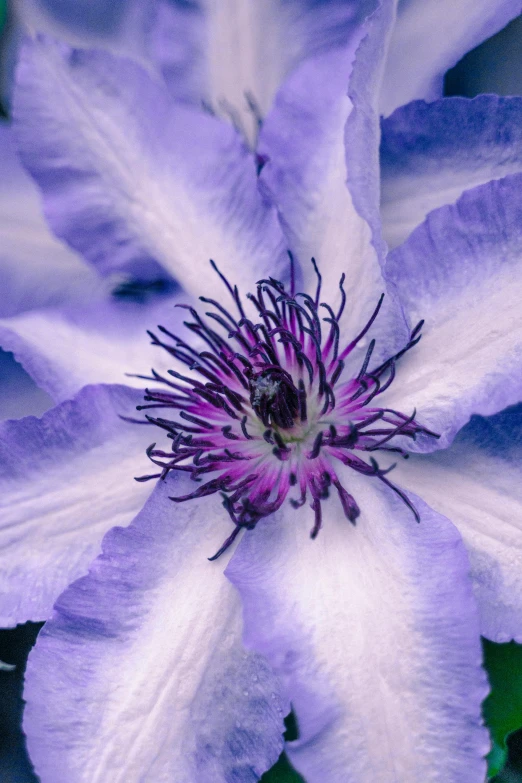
x=265 y=407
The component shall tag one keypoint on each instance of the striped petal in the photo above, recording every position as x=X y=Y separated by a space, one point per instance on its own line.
x=65 y=480
x=476 y=483
x=152 y=633
x=134 y=182
x=373 y=631
x=459 y=271
x=432 y=152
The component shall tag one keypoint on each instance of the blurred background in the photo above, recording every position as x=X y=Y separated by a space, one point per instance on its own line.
x=495 y=67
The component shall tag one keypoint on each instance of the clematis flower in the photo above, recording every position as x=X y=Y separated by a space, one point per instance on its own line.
x=369 y=628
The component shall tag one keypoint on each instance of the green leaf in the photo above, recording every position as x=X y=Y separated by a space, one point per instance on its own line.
x=282 y=772
x=3 y=13
x=503 y=707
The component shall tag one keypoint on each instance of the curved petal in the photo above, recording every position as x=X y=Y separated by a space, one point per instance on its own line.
x=362 y=132
x=461 y=271
x=153 y=634
x=99 y=340
x=430 y=36
x=431 y=153
x=373 y=632
x=65 y=480
x=36 y=269
x=477 y=484
x=224 y=51
x=131 y=180
x=305 y=174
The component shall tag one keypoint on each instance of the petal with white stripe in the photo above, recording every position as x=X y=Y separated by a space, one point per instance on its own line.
x=98 y=340
x=374 y=634
x=133 y=181
x=141 y=675
x=305 y=174
x=230 y=52
x=66 y=479
x=461 y=271
x=477 y=484
x=432 y=152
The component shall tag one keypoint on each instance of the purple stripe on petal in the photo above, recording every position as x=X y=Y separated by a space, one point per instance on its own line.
x=432 y=152
x=374 y=633
x=481 y=481
x=133 y=181
x=65 y=480
x=152 y=634
x=460 y=270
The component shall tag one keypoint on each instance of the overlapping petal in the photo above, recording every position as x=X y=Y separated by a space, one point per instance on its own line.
x=305 y=173
x=362 y=132
x=432 y=152
x=429 y=37
x=65 y=480
x=302 y=141
x=36 y=269
x=476 y=483
x=152 y=633
x=461 y=270
x=100 y=340
x=131 y=180
x=377 y=648
x=235 y=54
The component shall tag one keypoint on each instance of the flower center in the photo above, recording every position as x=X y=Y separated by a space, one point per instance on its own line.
x=267 y=409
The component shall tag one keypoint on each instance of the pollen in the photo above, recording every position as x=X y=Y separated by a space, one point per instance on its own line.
x=267 y=408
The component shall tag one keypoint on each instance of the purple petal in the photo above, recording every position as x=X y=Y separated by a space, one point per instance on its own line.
x=131 y=180
x=430 y=36
x=431 y=153
x=222 y=52
x=461 y=271
x=373 y=632
x=141 y=675
x=362 y=131
x=477 y=484
x=305 y=174
x=36 y=269
x=114 y=24
x=65 y=480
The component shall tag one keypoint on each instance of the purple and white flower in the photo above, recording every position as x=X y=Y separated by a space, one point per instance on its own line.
x=153 y=665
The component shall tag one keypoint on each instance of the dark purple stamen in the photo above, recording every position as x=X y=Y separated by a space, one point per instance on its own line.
x=255 y=407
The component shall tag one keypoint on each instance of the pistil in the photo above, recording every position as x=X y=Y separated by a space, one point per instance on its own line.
x=266 y=405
